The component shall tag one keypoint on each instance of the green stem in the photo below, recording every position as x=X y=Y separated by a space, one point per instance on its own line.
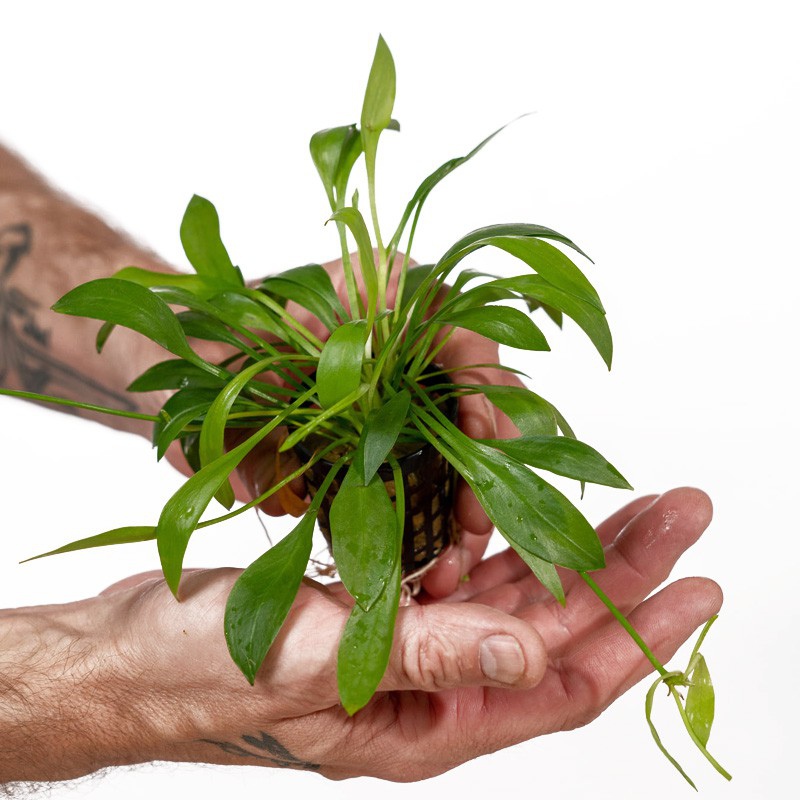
x=60 y=401
x=659 y=667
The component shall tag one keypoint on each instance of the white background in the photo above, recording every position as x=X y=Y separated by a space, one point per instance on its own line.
x=664 y=142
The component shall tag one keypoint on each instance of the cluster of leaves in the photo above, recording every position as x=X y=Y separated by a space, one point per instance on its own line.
x=357 y=392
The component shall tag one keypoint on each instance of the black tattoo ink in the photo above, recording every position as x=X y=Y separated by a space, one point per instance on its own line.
x=24 y=345
x=278 y=756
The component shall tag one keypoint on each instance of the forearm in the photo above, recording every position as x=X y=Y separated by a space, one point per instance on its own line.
x=48 y=245
x=61 y=712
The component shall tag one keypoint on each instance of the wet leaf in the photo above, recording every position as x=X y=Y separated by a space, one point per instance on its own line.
x=504 y=325
x=340 y=363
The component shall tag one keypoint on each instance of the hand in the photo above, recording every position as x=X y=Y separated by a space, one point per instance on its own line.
x=499 y=664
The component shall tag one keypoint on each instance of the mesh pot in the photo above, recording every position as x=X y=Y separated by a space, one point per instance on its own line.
x=429 y=482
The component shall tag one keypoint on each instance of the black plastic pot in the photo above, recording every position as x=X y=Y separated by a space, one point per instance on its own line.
x=429 y=483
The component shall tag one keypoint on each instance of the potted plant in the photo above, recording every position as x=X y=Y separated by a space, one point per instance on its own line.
x=367 y=407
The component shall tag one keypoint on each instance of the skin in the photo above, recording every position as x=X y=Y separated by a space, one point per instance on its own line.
x=133 y=676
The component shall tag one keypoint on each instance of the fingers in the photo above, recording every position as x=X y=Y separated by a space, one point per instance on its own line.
x=455 y=645
x=454 y=565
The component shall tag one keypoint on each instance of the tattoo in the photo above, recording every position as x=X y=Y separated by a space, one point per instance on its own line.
x=269 y=750
x=25 y=346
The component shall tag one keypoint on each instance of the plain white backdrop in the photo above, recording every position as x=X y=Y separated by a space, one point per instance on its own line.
x=664 y=142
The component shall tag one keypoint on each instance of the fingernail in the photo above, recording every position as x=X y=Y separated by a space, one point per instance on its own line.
x=502 y=659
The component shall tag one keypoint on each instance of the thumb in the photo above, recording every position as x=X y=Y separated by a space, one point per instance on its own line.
x=451 y=645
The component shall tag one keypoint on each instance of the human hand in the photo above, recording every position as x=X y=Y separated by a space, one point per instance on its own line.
x=452 y=691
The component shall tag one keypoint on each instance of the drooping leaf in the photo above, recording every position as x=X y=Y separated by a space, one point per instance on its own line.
x=132 y=306
x=339 y=370
x=262 y=596
x=500 y=324
x=202 y=243
x=563 y=456
x=700 y=700
x=532 y=414
x=366 y=645
x=309 y=286
x=364 y=530
x=545 y=572
x=381 y=429
x=127 y=535
x=590 y=319
x=528 y=511
x=212 y=434
x=553 y=265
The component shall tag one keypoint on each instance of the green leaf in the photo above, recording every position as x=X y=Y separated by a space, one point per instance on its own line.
x=183 y=510
x=700 y=700
x=528 y=511
x=212 y=434
x=334 y=152
x=202 y=243
x=203 y=287
x=427 y=186
x=183 y=407
x=132 y=306
x=555 y=267
x=563 y=456
x=354 y=220
x=376 y=112
x=532 y=414
x=174 y=374
x=339 y=370
x=261 y=598
x=544 y=571
x=310 y=287
x=127 y=535
x=364 y=532
x=648 y=713
x=590 y=319
x=381 y=429
x=366 y=645
x=500 y=324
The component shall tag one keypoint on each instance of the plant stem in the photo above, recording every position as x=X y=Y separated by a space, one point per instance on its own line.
x=620 y=617
x=60 y=401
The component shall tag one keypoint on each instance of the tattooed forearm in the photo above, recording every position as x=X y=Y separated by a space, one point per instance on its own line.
x=26 y=354
x=264 y=748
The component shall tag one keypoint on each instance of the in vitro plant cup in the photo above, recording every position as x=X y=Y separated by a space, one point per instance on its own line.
x=368 y=407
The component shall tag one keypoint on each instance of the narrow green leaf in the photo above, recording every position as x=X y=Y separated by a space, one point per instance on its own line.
x=212 y=434
x=200 y=285
x=354 y=220
x=528 y=511
x=132 y=306
x=381 y=429
x=376 y=112
x=339 y=370
x=127 y=535
x=174 y=374
x=183 y=407
x=563 y=456
x=500 y=324
x=363 y=530
x=261 y=598
x=366 y=646
x=590 y=319
x=551 y=264
x=532 y=414
x=309 y=286
x=202 y=243
x=700 y=700
x=102 y=335
x=544 y=571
